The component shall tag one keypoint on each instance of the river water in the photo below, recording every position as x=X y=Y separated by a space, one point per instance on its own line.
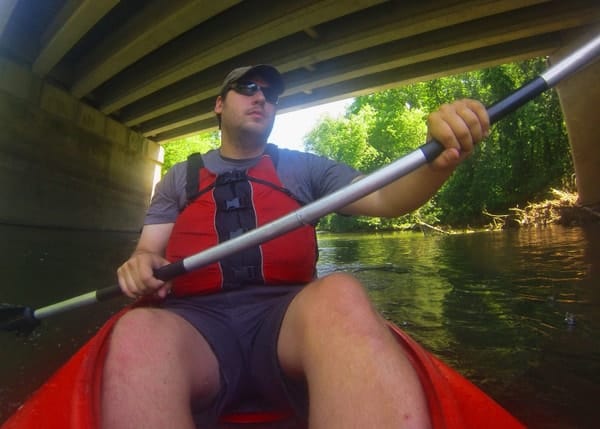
x=516 y=312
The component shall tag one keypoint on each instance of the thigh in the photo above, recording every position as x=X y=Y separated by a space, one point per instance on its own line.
x=210 y=319
x=355 y=370
x=267 y=377
x=157 y=355
x=332 y=307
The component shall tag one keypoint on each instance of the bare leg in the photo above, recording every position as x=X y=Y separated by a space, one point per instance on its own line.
x=156 y=363
x=358 y=376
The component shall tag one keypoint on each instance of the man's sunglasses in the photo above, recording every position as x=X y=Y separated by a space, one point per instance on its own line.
x=250 y=88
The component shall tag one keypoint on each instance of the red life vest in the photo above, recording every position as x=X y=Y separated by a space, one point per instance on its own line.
x=227 y=205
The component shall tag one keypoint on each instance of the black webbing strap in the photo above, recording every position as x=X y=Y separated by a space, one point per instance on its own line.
x=195 y=163
x=273 y=151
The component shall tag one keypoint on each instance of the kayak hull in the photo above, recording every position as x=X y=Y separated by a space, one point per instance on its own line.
x=70 y=399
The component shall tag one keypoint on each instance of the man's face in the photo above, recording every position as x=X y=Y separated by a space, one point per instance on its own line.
x=247 y=115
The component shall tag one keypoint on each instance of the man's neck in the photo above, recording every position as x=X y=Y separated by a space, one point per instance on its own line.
x=241 y=148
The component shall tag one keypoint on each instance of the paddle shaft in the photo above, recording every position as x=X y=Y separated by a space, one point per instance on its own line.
x=341 y=198
x=78 y=301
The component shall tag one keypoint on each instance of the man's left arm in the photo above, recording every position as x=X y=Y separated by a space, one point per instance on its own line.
x=458 y=127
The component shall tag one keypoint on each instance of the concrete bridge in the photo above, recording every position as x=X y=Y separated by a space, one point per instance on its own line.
x=90 y=89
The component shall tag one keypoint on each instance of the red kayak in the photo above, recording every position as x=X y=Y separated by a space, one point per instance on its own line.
x=71 y=397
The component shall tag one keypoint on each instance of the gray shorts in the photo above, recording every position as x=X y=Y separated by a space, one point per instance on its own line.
x=242 y=328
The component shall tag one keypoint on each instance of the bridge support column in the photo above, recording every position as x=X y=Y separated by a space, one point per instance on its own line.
x=580 y=101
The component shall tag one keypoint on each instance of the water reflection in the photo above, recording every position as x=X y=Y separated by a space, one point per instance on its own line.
x=497 y=307
x=492 y=305
x=41 y=267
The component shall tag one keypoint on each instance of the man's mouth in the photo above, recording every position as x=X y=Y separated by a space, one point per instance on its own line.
x=256 y=113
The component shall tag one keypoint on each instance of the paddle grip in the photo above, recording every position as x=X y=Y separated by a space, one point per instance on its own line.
x=165 y=273
x=108 y=293
x=431 y=150
x=169 y=272
x=515 y=100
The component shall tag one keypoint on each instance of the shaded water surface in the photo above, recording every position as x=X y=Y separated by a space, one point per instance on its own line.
x=517 y=312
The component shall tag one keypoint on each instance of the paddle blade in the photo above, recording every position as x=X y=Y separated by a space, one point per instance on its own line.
x=17 y=318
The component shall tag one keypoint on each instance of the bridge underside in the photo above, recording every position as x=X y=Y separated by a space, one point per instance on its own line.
x=90 y=89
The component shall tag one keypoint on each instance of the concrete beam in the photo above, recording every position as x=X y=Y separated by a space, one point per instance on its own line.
x=72 y=22
x=154 y=26
x=466 y=61
x=399 y=22
x=462 y=38
x=6 y=9
x=443 y=43
x=374 y=27
x=407 y=75
x=187 y=115
x=20 y=83
x=217 y=41
x=187 y=130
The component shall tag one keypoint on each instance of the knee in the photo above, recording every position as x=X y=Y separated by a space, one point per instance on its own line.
x=339 y=297
x=134 y=323
x=340 y=289
x=132 y=336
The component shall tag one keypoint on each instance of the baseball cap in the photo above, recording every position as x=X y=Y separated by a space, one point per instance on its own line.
x=265 y=71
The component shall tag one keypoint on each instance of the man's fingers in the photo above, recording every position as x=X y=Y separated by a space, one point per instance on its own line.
x=136 y=277
x=459 y=125
x=477 y=119
x=127 y=282
x=164 y=290
x=440 y=127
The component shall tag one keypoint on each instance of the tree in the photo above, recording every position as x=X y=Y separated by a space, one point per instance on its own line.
x=525 y=155
x=367 y=139
x=178 y=150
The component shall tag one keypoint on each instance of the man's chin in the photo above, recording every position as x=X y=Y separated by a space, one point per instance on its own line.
x=258 y=133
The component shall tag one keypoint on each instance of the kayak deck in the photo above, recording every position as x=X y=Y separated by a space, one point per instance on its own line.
x=71 y=397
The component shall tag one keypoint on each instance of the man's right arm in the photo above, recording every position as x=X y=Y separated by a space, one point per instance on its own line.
x=136 y=274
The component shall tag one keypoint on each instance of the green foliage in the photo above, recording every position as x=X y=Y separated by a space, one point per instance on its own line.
x=526 y=153
x=178 y=150
x=331 y=139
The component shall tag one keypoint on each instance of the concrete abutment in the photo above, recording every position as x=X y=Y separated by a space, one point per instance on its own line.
x=579 y=96
x=64 y=164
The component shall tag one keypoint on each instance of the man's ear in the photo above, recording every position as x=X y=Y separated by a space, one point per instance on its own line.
x=219 y=105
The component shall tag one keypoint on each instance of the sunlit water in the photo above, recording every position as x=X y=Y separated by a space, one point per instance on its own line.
x=517 y=312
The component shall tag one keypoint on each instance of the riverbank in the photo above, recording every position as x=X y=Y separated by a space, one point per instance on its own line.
x=562 y=209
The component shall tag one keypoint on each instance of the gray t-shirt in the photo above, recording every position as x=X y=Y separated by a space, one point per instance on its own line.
x=308 y=176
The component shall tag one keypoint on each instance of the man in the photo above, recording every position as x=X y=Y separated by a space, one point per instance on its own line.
x=259 y=324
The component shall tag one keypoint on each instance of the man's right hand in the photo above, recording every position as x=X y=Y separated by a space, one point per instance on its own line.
x=136 y=277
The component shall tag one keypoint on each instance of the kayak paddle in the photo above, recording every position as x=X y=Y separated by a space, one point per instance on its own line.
x=14 y=317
